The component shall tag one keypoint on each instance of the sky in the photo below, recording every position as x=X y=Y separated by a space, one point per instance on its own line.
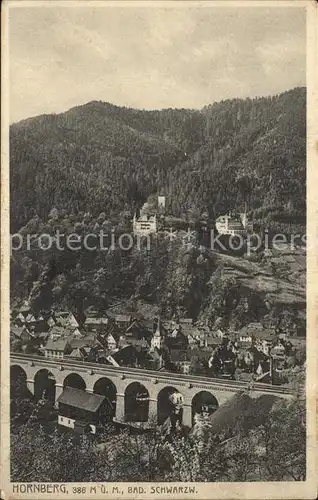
x=151 y=57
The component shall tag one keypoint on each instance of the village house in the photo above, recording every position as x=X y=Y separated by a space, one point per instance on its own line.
x=245 y=336
x=140 y=344
x=296 y=342
x=58 y=332
x=199 y=360
x=91 y=312
x=212 y=340
x=185 y=321
x=95 y=324
x=278 y=363
x=78 y=353
x=219 y=333
x=80 y=410
x=104 y=356
x=38 y=339
x=122 y=342
x=40 y=324
x=76 y=333
x=180 y=360
x=169 y=324
x=89 y=340
x=19 y=320
x=19 y=333
x=50 y=322
x=176 y=339
x=57 y=348
x=30 y=320
x=122 y=321
x=65 y=319
x=203 y=332
x=264 y=339
x=154 y=360
x=111 y=341
x=192 y=334
x=127 y=356
x=278 y=350
x=193 y=341
x=25 y=308
x=135 y=334
x=135 y=331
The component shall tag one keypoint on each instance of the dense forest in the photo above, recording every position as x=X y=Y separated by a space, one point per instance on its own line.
x=102 y=158
x=89 y=168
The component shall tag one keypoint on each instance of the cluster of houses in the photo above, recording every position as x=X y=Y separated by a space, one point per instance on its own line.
x=127 y=339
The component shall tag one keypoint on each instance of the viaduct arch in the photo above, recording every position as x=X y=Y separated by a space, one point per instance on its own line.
x=149 y=390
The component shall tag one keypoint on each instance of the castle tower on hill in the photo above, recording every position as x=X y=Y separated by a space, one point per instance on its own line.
x=146 y=223
x=161 y=202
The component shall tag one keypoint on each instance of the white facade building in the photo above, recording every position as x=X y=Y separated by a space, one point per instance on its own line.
x=145 y=224
x=233 y=225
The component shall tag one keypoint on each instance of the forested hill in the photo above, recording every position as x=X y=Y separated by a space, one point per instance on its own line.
x=102 y=158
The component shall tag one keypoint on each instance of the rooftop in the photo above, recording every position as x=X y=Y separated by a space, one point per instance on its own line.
x=179 y=356
x=81 y=399
x=56 y=345
x=235 y=225
x=213 y=340
x=122 y=317
x=96 y=321
x=17 y=330
x=146 y=218
x=87 y=341
x=186 y=320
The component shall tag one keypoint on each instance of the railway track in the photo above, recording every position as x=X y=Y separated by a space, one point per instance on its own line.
x=159 y=376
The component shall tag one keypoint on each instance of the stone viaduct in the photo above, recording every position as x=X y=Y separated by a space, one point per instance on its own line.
x=120 y=380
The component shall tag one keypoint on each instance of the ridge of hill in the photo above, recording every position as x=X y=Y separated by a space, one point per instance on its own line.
x=103 y=158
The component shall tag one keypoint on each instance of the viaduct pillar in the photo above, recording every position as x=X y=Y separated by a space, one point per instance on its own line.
x=152 y=412
x=120 y=407
x=58 y=391
x=30 y=385
x=187 y=415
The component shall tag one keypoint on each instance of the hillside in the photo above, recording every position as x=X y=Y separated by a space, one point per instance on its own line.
x=173 y=279
x=97 y=163
x=103 y=158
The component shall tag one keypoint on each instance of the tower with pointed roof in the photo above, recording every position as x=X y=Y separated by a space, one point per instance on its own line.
x=157 y=339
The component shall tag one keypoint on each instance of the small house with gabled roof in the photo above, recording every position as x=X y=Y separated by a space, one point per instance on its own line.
x=96 y=324
x=80 y=410
x=19 y=333
x=57 y=348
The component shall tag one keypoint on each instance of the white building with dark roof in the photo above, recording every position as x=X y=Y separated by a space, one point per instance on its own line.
x=80 y=410
x=145 y=224
x=232 y=225
x=57 y=348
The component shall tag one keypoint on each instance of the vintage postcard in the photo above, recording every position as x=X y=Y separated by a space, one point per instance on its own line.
x=158 y=249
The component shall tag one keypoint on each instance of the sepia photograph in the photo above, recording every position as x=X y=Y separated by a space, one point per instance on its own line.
x=158 y=285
